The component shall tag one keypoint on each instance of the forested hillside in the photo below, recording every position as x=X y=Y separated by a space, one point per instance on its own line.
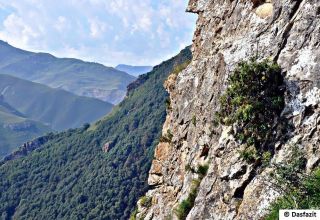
x=95 y=172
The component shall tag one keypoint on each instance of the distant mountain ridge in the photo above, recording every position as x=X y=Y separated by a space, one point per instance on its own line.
x=5 y=107
x=73 y=75
x=134 y=70
x=91 y=173
x=16 y=129
x=56 y=108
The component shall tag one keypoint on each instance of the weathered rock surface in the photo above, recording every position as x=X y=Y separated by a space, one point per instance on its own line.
x=287 y=31
x=26 y=149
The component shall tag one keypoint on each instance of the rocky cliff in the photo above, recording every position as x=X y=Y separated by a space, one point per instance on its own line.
x=228 y=31
x=26 y=148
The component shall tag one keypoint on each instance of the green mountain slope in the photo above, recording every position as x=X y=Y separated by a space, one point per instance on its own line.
x=54 y=107
x=15 y=129
x=94 y=173
x=76 y=76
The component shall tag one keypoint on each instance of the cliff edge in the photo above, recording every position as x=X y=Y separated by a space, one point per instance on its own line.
x=229 y=31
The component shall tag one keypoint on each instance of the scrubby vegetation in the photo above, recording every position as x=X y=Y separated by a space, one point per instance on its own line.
x=145 y=201
x=194 y=120
x=249 y=154
x=202 y=170
x=180 y=67
x=253 y=101
x=167 y=138
x=71 y=177
x=298 y=190
x=186 y=205
x=134 y=214
x=168 y=104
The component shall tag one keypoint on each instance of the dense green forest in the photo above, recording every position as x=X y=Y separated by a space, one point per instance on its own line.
x=71 y=177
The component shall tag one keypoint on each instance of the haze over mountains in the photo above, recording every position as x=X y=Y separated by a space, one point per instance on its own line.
x=79 y=77
x=134 y=70
x=42 y=93
x=95 y=173
x=56 y=108
x=15 y=128
x=29 y=110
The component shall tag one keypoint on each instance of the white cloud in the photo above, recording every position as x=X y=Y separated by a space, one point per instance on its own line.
x=164 y=37
x=97 y=28
x=61 y=23
x=18 y=32
x=144 y=23
x=111 y=32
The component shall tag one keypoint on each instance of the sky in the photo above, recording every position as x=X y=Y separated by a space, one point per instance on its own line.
x=135 y=32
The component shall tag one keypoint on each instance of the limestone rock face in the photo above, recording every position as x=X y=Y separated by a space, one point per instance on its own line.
x=25 y=149
x=228 y=31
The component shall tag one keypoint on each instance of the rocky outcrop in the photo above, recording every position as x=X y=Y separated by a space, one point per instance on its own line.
x=106 y=147
x=27 y=148
x=228 y=31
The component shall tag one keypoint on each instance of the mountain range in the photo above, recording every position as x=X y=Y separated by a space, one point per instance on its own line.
x=16 y=129
x=29 y=110
x=95 y=172
x=79 y=77
x=56 y=108
x=134 y=70
x=233 y=135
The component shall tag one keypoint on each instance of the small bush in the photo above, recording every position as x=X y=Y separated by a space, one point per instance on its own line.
x=249 y=154
x=266 y=157
x=177 y=69
x=186 y=205
x=194 y=120
x=146 y=201
x=166 y=138
x=168 y=103
x=134 y=214
x=298 y=190
x=169 y=135
x=202 y=170
x=306 y=195
x=188 y=168
x=253 y=100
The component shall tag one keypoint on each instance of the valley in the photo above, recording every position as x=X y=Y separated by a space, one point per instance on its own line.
x=73 y=174
x=228 y=128
x=73 y=75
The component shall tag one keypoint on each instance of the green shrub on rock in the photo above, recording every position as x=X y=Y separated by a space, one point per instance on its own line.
x=186 y=205
x=249 y=154
x=253 y=100
x=146 y=201
x=298 y=190
x=178 y=68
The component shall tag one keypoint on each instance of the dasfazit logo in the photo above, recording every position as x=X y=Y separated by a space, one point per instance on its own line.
x=299 y=214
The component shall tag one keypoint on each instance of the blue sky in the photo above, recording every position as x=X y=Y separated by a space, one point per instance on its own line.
x=138 y=32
